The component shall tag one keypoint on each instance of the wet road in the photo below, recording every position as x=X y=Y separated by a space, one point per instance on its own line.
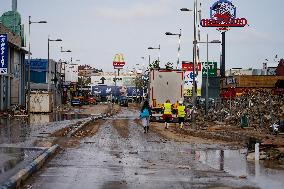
x=18 y=139
x=120 y=155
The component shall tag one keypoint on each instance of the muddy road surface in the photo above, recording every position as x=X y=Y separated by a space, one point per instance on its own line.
x=120 y=155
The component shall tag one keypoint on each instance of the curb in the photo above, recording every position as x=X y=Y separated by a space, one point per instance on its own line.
x=102 y=116
x=79 y=127
x=22 y=175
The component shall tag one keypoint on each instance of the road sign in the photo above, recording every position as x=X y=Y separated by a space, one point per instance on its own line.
x=3 y=54
x=212 y=69
x=223 y=16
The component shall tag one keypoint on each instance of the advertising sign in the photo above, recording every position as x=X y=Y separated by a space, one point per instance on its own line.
x=105 y=91
x=38 y=65
x=3 y=54
x=223 y=16
x=110 y=80
x=212 y=69
x=188 y=78
x=118 y=61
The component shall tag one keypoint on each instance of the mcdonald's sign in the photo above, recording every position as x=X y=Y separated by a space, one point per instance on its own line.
x=118 y=61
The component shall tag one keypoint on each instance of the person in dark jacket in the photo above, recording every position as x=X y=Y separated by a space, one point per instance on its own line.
x=145 y=116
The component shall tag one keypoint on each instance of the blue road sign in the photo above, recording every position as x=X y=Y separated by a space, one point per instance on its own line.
x=3 y=54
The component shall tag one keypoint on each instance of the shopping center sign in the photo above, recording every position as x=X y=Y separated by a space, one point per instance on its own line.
x=3 y=54
x=223 y=16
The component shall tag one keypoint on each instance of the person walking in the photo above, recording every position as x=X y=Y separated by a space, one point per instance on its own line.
x=181 y=114
x=145 y=116
x=167 y=116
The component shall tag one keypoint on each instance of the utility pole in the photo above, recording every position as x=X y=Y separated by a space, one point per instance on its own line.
x=29 y=60
x=207 y=77
x=194 y=66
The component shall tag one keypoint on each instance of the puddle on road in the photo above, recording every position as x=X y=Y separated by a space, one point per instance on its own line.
x=53 y=117
x=234 y=162
x=10 y=157
x=18 y=130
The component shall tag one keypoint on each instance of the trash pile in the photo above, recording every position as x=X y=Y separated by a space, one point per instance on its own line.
x=259 y=107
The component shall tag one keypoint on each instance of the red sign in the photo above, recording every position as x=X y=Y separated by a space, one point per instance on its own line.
x=223 y=16
x=188 y=66
x=118 y=64
x=238 y=22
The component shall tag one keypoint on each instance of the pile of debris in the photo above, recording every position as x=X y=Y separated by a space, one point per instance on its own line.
x=259 y=106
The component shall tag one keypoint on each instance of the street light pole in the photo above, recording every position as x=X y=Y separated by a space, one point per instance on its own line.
x=207 y=74
x=179 y=43
x=156 y=48
x=55 y=78
x=194 y=61
x=194 y=67
x=29 y=65
x=55 y=70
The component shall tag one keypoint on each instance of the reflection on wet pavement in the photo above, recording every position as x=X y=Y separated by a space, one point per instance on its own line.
x=122 y=156
x=18 y=130
x=15 y=158
x=17 y=136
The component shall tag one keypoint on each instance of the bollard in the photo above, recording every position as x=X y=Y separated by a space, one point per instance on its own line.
x=256 y=152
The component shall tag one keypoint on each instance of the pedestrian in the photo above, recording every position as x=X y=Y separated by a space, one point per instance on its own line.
x=145 y=116
x=181 y=114
x=167 y=116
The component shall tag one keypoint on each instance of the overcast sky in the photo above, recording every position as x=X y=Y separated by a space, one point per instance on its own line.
x=95 y=30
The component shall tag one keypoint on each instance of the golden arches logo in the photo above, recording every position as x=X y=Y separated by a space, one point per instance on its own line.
x=118 y=58
x=118 y=61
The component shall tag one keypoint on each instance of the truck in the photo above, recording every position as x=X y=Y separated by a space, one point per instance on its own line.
x=165 y=84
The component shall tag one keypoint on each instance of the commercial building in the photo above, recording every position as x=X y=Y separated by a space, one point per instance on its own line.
x=12 y=83
x=43 y=80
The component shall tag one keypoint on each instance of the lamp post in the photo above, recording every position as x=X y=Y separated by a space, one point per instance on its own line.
x=48 y=60
x=48 y=75
x=179 y=41
x=29 y=64
x=194 y=60
x=156 y=48
x=207 y=69
x=62 y=51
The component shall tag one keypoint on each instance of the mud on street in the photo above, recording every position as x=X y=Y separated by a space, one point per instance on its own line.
x=115 y=153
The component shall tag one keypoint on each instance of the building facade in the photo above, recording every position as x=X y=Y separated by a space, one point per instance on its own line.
x=12 y=84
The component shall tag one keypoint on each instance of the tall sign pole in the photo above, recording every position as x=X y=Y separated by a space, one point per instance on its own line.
x=118 y=64
x=223 y=15
x=223 y=63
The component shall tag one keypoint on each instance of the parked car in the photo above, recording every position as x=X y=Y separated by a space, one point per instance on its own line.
x=123 y=101
x=76 y=101
x=92 y=100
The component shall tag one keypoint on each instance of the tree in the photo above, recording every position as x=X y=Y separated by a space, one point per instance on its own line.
x=169 y=66
x=154 y=65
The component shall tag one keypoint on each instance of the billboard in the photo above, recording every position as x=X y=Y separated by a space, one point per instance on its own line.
x=109 y=80
x=3 y=54
x=38 y=65
x=117 y=91
x=188 y=78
